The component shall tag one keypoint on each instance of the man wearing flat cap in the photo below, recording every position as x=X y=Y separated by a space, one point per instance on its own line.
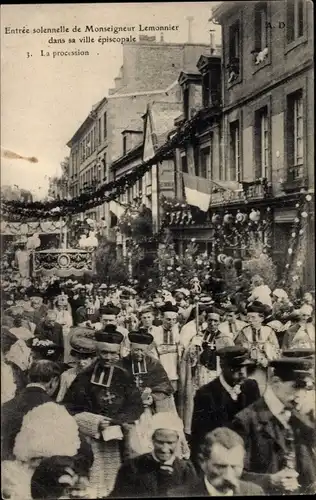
x=279 y=432
x=166 y=339
x=153 y=474
x=104 y=398
x=216 y=403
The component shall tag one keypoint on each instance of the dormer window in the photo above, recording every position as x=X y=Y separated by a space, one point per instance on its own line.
x=124 y=144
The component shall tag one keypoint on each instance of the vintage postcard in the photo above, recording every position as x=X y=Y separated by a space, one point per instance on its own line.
x=157 y=249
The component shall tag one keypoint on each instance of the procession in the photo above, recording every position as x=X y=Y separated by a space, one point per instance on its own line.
x=158 y=285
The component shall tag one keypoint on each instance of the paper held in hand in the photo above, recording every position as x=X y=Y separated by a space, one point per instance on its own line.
x=112 y=432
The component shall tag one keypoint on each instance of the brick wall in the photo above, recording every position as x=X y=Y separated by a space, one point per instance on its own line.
x=157 y=65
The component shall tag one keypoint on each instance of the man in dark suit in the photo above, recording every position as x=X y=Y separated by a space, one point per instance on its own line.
x=44 y=379
x=279 y=430
x=216 y=403
x=154 y=474
x=221 y=459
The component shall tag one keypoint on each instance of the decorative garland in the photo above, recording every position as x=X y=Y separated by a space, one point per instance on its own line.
x=297 y=250
x=86 y=201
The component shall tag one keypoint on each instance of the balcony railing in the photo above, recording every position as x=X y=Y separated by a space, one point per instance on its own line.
x=256 y=190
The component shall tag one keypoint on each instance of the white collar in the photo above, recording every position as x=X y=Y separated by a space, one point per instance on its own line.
x=231 y=390
x=37 y=385
x=213 y=492
x=168 y=462
x=275 y=406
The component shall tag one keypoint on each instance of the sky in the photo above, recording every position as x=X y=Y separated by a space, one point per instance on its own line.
x=44 y=99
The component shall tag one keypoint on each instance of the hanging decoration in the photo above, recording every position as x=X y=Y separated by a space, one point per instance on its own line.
x=298 y=247
x=89 y=200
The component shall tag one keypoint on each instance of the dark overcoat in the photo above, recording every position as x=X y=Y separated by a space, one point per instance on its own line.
x=265 y=443
x=142 y=477
x=214 y=407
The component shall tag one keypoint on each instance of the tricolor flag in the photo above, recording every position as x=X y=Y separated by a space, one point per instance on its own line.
x=198 y=191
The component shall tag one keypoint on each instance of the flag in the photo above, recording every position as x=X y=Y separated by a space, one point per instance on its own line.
x=197 y=191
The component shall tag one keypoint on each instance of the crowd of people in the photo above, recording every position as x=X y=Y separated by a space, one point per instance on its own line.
x=183 y=393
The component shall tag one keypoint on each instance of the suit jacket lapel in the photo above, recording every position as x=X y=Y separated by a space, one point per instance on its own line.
x=271 y=426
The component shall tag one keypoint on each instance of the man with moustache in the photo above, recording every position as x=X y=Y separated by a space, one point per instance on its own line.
x=104 y=399
x=216 y=403
x=279 y=431
x=221 y=460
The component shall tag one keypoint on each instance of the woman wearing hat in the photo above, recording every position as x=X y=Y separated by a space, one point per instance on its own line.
x=153 y=474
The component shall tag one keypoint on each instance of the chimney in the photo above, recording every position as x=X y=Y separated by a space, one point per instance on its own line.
x=190 y=20
x=212 y=44
x=161 y=37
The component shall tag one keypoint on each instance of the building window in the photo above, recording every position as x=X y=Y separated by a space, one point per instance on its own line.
x=295 y=135
x=234 y=132
x=186 y=102
x=104 y=126
x=204 y=163
x=99 y=131
x=184 y=169
x=124 y=144
x=262 y=143
x=140 y=186
x=84 y=149
x=261 y=26
x=104 y=166
x=295 y=20
x=234 y=52
x=206 y=90
x=93 y=139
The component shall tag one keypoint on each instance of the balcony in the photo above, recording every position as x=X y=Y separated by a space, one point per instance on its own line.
x=256 y=190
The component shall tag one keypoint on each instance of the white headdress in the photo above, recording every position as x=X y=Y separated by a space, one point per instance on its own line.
x=166 y=420
x=46 y=431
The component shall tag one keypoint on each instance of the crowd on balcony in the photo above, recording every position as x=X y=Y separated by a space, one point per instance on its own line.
x=181 y=393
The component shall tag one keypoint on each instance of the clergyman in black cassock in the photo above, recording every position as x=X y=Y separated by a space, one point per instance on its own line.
x=104 y=399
